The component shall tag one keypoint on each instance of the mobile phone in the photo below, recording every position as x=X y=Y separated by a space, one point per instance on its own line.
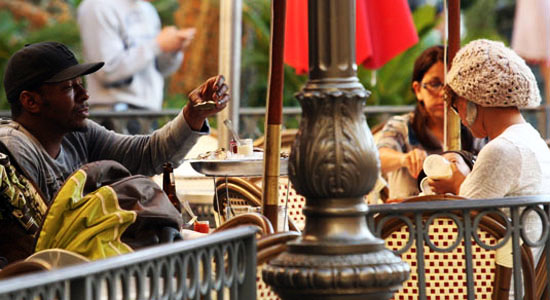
x=206 y=105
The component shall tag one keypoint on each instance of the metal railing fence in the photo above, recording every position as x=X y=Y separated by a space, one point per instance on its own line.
x=217 y=266
x=252 y=118
x=466 y=215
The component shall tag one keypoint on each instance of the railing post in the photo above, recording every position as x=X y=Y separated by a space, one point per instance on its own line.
x=420 y=269
x=79 y=288
x=468 y=232
x=248 y=287
x=516 y=253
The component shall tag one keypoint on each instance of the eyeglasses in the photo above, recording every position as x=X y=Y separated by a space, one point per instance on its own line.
x=433 y=87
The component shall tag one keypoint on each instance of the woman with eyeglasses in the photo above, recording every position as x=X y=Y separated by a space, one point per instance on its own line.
x=406 y=140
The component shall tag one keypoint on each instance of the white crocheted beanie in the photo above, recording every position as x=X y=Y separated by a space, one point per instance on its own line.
x=491 y=74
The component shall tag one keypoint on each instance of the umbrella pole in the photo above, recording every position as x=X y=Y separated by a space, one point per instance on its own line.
x=452 y=120
x=274 y=115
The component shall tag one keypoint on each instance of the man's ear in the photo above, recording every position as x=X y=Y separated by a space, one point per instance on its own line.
x=30 y=101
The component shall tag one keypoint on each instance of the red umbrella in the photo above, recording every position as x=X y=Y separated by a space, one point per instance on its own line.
x=383 y=30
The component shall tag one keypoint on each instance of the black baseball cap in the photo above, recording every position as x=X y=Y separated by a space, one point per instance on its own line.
x=45 y=62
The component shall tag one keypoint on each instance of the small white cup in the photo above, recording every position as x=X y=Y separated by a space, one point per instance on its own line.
x=437 y=167
x=245 y=147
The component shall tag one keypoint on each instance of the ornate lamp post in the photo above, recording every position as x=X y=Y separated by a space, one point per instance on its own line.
x=333 y=163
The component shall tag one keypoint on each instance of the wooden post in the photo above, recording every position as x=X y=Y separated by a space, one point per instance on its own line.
x=452 y=120
x=274 y=116
x=230 y=64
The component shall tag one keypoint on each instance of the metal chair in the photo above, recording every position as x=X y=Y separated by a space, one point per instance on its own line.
x=236 y=195
x=541 y=275
x=268 y=246
x=445 y=270
x=287 y=139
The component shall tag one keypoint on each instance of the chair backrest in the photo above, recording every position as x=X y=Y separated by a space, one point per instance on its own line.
x=296 y=202
x=269 y=245
x=287 y=139
x=243 y=195
x=254 y=219
x=23 y=267
x=445 y=272
x=239 y=193
x=541 y=275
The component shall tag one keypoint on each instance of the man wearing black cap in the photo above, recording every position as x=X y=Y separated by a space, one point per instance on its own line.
x=51 y=137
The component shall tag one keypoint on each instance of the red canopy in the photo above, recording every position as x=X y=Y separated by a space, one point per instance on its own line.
x=383 y=30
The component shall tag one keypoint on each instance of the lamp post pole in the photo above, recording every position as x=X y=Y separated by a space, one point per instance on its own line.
x=333 y=164
x=452 y=120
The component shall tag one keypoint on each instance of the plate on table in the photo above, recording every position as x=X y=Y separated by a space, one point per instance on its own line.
x=235 y=167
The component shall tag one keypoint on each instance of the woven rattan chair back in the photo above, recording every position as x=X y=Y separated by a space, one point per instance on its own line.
x=294 y=202
x=269 y=245
x=445 y=272
x=235 y=196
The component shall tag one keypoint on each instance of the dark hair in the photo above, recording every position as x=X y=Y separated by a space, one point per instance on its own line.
x=426 y=60
x=422 y=64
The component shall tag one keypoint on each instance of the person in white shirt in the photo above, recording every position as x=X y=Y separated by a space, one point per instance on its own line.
x=138 y=53
x=487 y=85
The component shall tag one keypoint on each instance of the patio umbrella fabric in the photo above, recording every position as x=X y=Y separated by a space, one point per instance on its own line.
x=383 y=30
x=531 y=35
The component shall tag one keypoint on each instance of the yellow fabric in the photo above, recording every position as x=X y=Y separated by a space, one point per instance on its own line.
x=90 y=225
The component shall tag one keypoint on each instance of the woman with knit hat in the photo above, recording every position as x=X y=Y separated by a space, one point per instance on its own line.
x=487 y=85
x=406 y=140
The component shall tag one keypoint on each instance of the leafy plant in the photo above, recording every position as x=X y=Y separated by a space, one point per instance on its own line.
x=16 y=33
x=255 y=58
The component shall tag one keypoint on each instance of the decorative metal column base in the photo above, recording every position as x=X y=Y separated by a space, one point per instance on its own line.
x=375 y=275
x=333 y=163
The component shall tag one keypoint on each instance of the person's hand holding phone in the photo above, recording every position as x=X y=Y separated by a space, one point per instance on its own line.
x=186 y=35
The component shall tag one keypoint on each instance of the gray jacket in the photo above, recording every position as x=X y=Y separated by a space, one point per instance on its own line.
x=141 y=154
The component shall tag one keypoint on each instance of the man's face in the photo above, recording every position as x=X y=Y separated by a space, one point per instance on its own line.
x=64 y=105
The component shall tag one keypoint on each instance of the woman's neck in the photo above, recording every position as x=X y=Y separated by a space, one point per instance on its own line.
x=497 y=120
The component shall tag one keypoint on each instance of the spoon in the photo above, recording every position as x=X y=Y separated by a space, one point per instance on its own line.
x=229 y=126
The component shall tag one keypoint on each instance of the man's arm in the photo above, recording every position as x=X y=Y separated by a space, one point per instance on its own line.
x=146 y=154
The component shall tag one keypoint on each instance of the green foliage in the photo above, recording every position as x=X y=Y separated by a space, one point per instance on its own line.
x=479 y=23
x=14 y=34
x=173 y=100
x=166 y=9
x=255 y=58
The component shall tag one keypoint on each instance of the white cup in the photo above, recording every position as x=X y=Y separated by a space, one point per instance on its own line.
x=245 y=147
x=437 y=167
